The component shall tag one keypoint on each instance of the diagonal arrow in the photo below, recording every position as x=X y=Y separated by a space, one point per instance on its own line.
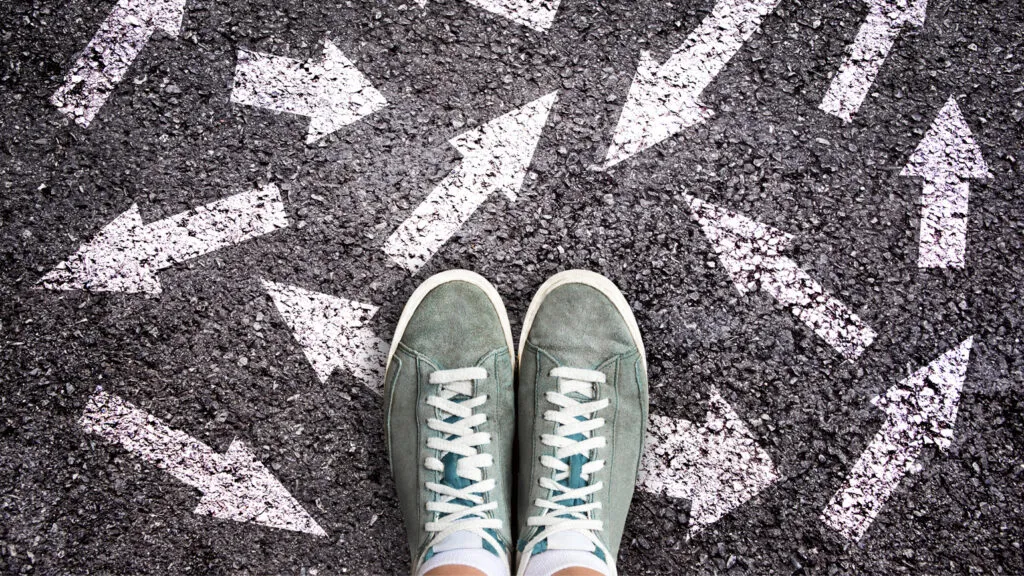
x=885 y=21
x=751 y=254
x=103 y=63
x=235 y=485
x=920 y=410
x=333 y=93
x=332 y=332
x=716 y=465
x=495 y=158
x=126 y=254
x=663 y=99
x=945 y=159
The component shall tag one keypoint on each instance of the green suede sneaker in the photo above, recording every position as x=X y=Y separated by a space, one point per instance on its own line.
x=582 y=415
x=449 y=417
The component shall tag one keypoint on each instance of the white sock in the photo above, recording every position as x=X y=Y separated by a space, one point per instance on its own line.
x=550 y=562
x=573 y=550
x=466 y=549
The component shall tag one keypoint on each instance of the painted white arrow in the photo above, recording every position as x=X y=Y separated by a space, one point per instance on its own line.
x=663 y=99
x=876 y=37
x=945 y=158
x=333 y=93
x=536 y=14
x=126 y=254
x=235 y=485
x=332 y=332
x=495 y=158
x=716 y=465
x=102 y=65
x=920 y=410
x=751 y=253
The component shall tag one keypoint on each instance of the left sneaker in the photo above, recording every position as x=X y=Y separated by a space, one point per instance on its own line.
x=449 y=416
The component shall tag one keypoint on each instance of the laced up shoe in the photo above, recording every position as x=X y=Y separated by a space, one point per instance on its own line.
x=582 y=414
x=449 y=415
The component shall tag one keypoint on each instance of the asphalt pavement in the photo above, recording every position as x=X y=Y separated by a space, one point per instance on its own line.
x=201 y=347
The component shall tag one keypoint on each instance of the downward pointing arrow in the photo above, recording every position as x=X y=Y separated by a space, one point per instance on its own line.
x=716 y=465
x=107 y=57
x=235 y=486
x=945 y=158
x=127 y=254
x=495 y=158
x=332 y=332
x=663 y=99
x=919 y=410
x=751 y=254
x=332 y=92
x=886 y=19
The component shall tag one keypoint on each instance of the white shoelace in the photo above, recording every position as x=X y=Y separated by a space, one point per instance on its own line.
x=460 y=437
x=573 y=418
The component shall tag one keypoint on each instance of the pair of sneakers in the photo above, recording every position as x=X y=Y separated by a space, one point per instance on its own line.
x=453 y=404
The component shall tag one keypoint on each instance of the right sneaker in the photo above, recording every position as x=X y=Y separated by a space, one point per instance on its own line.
x=449 y=416
x=582 y=415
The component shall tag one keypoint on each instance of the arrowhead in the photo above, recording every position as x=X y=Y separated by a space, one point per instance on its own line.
x=243 y=490
x=926 y=402
x=743 y=245
x=344 y=95
x=116 y=260
x=332 y=332
x=717 y=465
x=948 y=151
x=497 y=155
x=656 y=107
x=164 y=15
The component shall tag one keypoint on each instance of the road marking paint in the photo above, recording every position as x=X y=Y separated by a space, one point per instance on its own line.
x=945 y=159
x=663 y=100
x=920 y=410
x=235 y=485
x=332 y=332
x=536 y=14
x=332 y=92
x=717 y=465
x=101 y=66
x=751 y=253
x=126 y=255
x=885 y=21
x=495 y=158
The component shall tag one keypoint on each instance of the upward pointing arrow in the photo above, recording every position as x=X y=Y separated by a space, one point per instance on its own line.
x=885 y=20
x=333 y=332
x=945 y=159
x=663 y=99
x=107 y=57
x=495 y=158
x=920 y=410
x=333 y=93
x=235 y=486
x=126 y=254
x=751 y=253
x=717 y=465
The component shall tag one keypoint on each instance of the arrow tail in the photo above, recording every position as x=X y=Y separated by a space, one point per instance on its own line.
x=859 y=69
x=120 y=422
x=811 y=304
x=871 y=482
x=106 y=59
x=943 y=238
x=275 y=83
x=216 y=225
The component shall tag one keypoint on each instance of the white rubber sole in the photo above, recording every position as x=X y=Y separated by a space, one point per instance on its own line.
x=594 y=280
x=443 y=278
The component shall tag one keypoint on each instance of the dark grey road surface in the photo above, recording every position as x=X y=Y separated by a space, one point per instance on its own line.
x=211 y=356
